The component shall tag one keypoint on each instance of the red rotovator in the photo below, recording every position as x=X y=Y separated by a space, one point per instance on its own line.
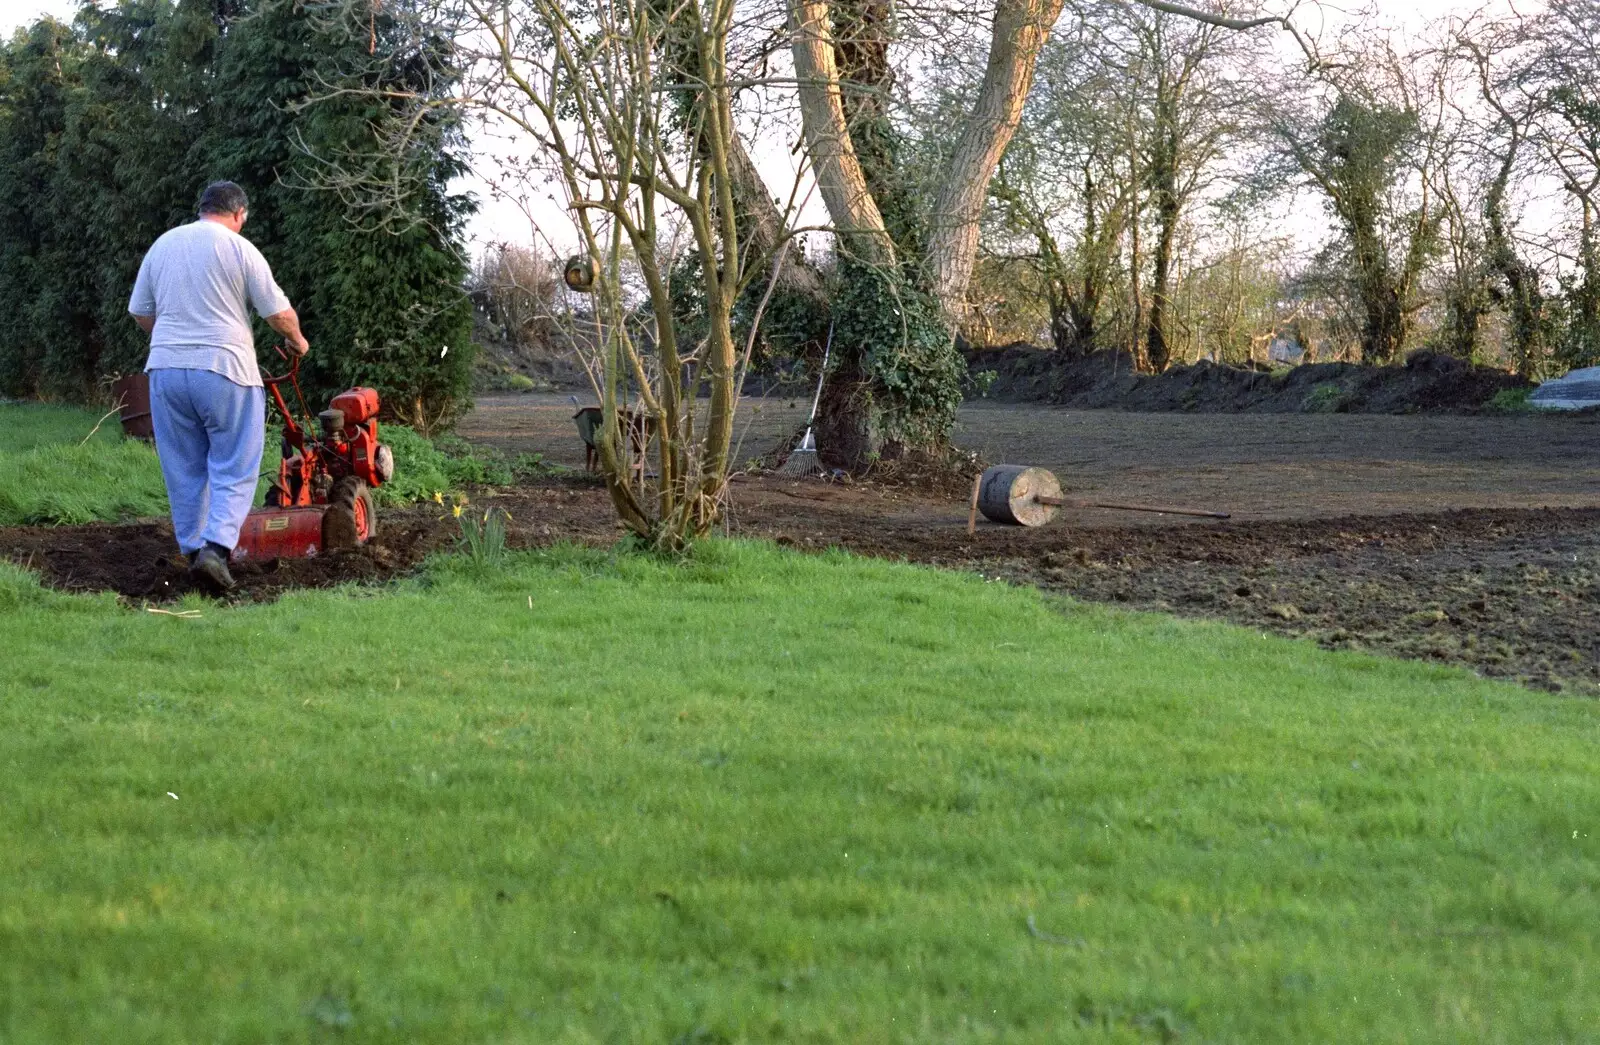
x=321 y=499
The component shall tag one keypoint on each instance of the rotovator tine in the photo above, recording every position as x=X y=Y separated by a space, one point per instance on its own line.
x=321 y=499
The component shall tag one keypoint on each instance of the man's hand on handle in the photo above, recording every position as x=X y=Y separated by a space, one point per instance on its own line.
x=287 y=323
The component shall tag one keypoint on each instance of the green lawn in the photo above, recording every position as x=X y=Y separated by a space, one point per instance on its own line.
x=760 y=796
x=50 y=475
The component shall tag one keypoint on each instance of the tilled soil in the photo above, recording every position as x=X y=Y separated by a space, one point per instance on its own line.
x=1469 y=540
x=1257 y=466
x=1510 y=593
x=140 y=561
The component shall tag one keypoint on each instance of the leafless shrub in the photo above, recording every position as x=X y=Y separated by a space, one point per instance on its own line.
x=516 y=289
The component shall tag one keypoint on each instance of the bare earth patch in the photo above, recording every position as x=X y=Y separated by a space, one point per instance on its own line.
x=1473 y=541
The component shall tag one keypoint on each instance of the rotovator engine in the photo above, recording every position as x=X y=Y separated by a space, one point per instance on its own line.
x=321 y=499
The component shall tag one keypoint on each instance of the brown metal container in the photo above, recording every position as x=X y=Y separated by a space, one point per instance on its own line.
x=132 y=393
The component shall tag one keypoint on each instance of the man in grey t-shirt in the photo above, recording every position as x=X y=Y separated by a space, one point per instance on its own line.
x=195 y=288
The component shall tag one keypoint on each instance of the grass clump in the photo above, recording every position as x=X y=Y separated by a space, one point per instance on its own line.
x=423 y=466
x=483 y=538
x=1327 y=397
x=1510 y=401
x=495 y=377
x=758 y=796
x=49 y=475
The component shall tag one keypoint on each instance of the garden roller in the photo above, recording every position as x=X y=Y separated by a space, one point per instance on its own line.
x=1023 y=496
x=321 y=499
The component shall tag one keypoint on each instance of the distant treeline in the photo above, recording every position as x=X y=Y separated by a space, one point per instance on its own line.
x=1179 y=190
x=109 y=128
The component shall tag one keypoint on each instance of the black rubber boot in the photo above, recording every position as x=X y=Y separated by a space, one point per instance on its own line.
x=211 y=562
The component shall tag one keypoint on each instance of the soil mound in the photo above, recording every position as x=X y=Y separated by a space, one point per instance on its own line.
x=508 y=363
x=1427 y=383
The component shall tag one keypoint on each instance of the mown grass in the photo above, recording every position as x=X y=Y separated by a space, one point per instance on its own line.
x=758 y=796
x=50 y=475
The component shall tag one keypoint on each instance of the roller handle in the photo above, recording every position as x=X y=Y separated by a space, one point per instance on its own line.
x=1065 y=502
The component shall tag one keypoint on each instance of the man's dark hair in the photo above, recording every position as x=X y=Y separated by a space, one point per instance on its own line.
x=223 y=197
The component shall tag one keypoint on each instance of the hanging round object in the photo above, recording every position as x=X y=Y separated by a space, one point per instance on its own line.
x=582 y=273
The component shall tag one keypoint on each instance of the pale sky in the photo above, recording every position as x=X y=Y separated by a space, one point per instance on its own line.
x=503 y=220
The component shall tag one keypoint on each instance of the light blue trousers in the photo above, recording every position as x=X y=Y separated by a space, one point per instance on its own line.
x=209 y=433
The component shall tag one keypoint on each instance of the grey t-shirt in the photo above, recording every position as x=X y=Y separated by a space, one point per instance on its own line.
x=199 y=281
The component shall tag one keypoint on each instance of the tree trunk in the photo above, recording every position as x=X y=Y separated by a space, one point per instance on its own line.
x=897 y=373
x=847 y=430
x=1384 y=322
x=1157 y=351
x=1525 y=299
x=759 y=219
x=1063 y=331
x=1021 y=28
x=1464 y=306
x=1383 y=328
x=762 y=225
x=1583 y=300
x=838 y=171
x=1164 y=176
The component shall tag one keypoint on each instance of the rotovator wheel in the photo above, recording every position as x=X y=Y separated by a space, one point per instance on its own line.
x=321 y=499
x=350 y=520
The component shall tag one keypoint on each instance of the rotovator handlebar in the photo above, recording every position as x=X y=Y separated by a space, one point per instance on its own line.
x=346 y=444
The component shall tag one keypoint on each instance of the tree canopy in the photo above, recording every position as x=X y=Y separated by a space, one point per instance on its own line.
x=110 y=126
